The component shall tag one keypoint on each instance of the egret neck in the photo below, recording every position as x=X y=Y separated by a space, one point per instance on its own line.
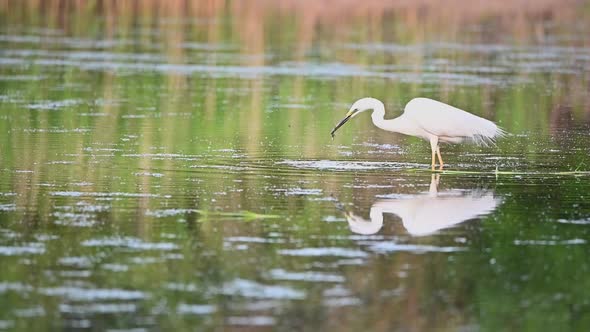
x=399 y=124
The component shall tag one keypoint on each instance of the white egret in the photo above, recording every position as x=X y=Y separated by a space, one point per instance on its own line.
x=431 y=120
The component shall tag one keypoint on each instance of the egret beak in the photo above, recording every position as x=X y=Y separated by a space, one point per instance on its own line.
x=341 y=123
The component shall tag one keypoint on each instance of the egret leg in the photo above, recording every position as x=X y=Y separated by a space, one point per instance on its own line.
x=434 y=147
x=433 y=159
x=439 y=158
x=434 y=180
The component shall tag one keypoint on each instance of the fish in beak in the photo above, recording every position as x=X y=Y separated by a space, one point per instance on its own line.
x=341 y=123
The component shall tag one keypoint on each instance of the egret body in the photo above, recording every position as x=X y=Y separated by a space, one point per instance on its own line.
x=431 y=120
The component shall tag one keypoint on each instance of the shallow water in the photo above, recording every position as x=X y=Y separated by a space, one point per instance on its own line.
x=179 y=174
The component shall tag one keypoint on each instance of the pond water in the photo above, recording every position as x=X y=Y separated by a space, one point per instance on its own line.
x=163 y=172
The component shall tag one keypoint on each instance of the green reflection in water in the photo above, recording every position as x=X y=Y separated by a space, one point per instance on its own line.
x=179 y=174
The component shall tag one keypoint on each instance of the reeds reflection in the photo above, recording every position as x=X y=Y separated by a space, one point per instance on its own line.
x=522 y=18
x=121 y=82
x=427 y=213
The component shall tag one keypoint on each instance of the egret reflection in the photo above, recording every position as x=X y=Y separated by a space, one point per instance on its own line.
x=427 y=213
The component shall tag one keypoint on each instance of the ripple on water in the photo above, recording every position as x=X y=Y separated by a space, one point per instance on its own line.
x=8 y=234
x=307 y=69
x=36 y=311
x=387 y=247
x=45 y=237
x=195 y=309
x=336 y=291
x=100 y=194
x=252 y=289
x=155 y=175
x=74 y=219
x=259 y=305
x=30 y=248
x=129 y=243
x=56 y=130
x=327 y=251
x=252 y=239
x=280 y=274
x=575 y=221
x=93 y=294
x=14 y=287
x=252 y=320
x=333 y=219
x=176 y=286
x=549 y=242
x=169 y=212
x=145 y=260
x=8 y=207
x=337 y=165
x=342 y=301
x=6 y=324
x=76 y=261
x=97 y=308
x=53 y=104
x=115 y=267
x=382 y=146
x=25 y=78
x=302 y=192
x=396 y=196
x=163 y=156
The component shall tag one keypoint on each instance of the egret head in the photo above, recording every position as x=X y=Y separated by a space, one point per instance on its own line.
x=359 y=106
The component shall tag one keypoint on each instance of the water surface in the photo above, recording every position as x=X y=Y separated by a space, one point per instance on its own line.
x=178 y=173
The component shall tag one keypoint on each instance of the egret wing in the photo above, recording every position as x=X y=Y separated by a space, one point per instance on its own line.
x=447 y=121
